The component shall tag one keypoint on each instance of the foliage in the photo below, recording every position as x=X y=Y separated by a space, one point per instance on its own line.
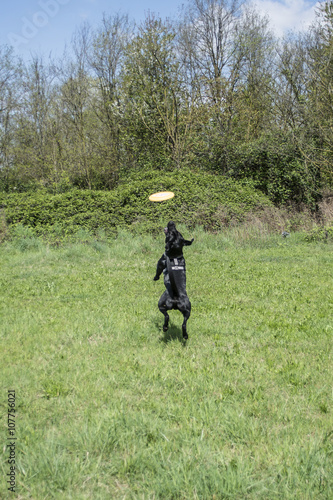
x=322 y=233
x=199 y=197
x=155 y=97
x=278 y=169
x=3 y=226
x=319 y=112
x=213 y=89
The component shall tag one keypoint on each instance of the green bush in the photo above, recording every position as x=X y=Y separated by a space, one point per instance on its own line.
x=321 y=233
x=24 y=238
x=276 y=168
x=200 y=198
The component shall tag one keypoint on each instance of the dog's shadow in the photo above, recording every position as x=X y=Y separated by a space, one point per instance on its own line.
x=172 y=334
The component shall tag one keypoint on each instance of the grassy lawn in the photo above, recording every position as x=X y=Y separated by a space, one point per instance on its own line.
x=108 y=406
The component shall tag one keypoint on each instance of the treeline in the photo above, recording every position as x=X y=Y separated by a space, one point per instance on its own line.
x=212 y=90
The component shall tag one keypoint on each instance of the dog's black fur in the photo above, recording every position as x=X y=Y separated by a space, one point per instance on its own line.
x=172 y=264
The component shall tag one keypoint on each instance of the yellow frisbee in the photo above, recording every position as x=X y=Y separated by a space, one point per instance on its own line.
x=165 y=195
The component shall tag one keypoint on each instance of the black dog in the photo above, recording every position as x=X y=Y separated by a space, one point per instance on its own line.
x=172 y=264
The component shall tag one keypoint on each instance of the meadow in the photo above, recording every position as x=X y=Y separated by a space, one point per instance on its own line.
x=109 y=406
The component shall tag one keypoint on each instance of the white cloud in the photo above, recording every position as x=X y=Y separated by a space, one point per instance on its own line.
x=285 y=15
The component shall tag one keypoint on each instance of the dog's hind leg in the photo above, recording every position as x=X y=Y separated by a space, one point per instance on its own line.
x=166 y=322
x=162 y=305
x=184 y=329
x=185 y=309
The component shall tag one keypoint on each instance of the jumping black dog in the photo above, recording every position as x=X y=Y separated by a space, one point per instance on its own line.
x=172 y=264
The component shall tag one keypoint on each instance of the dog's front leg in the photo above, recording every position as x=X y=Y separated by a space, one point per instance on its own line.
x=159 y=268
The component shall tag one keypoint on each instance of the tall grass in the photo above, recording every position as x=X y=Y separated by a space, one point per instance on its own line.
x=108 y=406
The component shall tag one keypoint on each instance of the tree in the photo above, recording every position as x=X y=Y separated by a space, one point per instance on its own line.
x=33 y=120
x=9 y=96
x=227 y=52
x=290 y=97
x=320 y=88
x=75 y=92
x=156 y=97
x=253 y=65
x=106 y=58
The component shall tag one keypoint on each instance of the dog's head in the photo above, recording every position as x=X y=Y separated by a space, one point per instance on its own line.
x=171 y=227
x=174 y=241
x=172 y=237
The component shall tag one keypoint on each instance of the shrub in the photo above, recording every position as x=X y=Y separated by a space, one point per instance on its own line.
x=277 y=169
x=25 y=239
x=200 y=198
x=3 y=226
x=320 y=233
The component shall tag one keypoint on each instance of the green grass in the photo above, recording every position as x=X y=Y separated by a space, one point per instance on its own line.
x=110 y=407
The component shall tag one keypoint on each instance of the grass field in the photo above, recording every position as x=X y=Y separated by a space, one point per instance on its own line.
x=110 y=407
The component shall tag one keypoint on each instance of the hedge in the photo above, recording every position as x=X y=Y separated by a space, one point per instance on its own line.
x=200 y=198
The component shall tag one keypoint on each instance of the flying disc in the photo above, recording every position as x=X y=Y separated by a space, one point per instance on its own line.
x=162 y=196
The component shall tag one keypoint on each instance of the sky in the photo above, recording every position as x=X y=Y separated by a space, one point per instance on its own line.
x=286 y=15
x=45 y=26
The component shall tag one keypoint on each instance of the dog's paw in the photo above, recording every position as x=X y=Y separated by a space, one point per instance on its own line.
x=165 y=328
x=156 y=278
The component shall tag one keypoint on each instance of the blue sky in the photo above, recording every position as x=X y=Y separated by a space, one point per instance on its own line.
x=44 y=26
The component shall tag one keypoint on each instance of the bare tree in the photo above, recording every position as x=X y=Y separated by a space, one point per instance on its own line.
x=75 y=99
x=291 y=83
x=252 y=74
x=33 y=120
x=208 y=34
x=226 y=54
